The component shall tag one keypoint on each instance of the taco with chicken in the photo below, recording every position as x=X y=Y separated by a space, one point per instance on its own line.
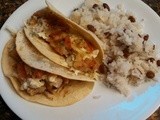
x=36 y=84
x=64 y=42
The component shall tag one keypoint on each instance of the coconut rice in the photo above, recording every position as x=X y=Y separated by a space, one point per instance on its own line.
x=130 y=56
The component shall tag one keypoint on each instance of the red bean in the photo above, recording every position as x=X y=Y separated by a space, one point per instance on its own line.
x=132 y=19
x=158 y=62
x=103 y=69
x=146 y=37
x=150 y=74
x=151 y=59
x=91 y=28
x=105 y=5
x=95 y=6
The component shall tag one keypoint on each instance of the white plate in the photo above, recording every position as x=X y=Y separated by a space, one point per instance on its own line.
x=111 y=105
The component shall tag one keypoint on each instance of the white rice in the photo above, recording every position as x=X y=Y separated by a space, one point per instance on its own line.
x=124 y=34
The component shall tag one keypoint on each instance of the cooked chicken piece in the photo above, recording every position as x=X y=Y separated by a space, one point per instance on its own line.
x=33 y=92
x=55 y=81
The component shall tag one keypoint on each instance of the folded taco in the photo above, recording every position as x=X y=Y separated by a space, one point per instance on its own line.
x=64 y=42
x=31 y=56
x=40 y=86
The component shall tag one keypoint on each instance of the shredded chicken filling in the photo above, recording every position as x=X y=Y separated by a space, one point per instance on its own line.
x=36 y=81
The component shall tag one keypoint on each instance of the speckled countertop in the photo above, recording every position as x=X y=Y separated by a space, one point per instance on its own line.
x=6 y=9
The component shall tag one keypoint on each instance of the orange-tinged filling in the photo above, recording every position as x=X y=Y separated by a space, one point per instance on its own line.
x=64 y=45
x=72 y=46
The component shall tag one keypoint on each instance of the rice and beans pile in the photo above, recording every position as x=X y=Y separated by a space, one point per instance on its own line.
x=130 y=56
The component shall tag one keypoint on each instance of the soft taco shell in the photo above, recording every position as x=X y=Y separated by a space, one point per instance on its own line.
x=47 y=50
x=31 y=56
x=73 y=92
